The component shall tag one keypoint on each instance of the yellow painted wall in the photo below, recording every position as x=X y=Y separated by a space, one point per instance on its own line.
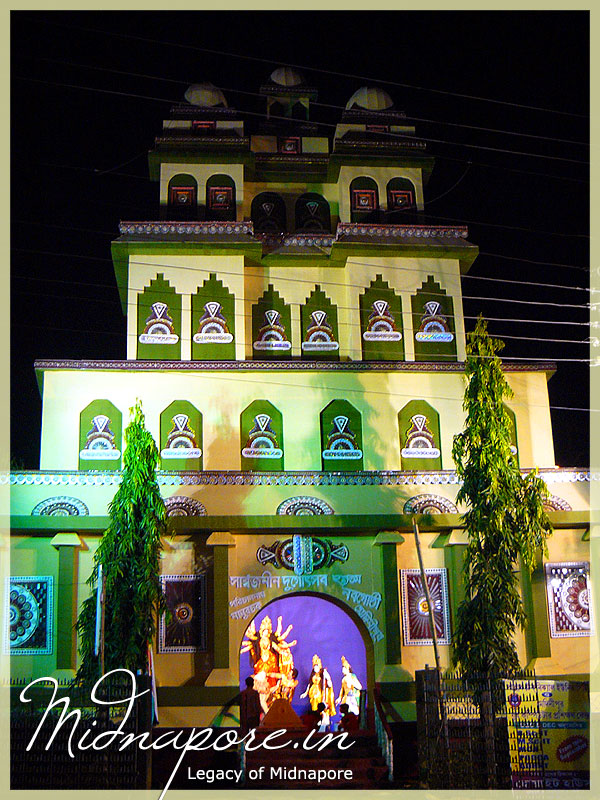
x=222 y=395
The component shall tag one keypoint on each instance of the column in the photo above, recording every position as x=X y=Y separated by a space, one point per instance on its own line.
x=66 y=600
x=221 y=674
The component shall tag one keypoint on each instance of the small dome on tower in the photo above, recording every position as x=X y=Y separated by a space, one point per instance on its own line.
x=370 y=98
x=286 y=76
x=205 y=95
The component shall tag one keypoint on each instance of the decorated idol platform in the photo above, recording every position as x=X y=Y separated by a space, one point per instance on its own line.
x=306 y=650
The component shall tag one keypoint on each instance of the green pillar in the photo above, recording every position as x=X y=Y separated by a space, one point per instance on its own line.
x=66 y=600
x=387 y=541
x=454 y=561
x=220 y=541
x=537 y=635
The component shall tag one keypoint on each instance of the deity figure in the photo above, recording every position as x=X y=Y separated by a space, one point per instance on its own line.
x=272 y=659
x=350 y=688
x=320 y=688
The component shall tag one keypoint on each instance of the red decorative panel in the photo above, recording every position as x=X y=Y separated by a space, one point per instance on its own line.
x=220 y=197
x=289 y=144
x=363 y=200
x=203 y=125
x=182 y=196
x=378 y=128
x=398 y=198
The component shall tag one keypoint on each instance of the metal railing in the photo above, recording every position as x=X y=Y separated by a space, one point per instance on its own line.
x=385 y=739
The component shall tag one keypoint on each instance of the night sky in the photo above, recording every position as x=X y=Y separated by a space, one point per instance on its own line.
x=90 y=90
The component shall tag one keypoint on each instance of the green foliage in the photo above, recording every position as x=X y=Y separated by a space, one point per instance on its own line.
x=129 y=553
x=505 y=519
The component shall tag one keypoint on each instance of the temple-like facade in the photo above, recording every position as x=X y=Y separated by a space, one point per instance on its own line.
x=296 y=336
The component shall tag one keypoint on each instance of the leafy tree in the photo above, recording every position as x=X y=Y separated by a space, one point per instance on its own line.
x=505 y=518
x=129 y=553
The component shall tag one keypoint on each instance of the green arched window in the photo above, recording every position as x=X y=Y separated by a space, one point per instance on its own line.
x=341 y=437
x=159 y=321
x=261 y=436
x=213 y=322
x=271 y=325
x=181 y=437
x=420 y=447
x=320 y=335
x=381 y=322
x=433 y=323
x=100 y=430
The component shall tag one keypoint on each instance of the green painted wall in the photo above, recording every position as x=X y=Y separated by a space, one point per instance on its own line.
x=210 y=340
x=381 y=330
x=414 y=432
x=261 y=430
x=182 y=423
x=433 y=309
x=317 y=303
x=341 y=434
x=276 y=331
x=159 y=291
x=100 y=440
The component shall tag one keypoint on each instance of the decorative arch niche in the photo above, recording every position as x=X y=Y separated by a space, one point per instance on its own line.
x=381 y=322
x=271 y=326
x=401 y=195
x=320 y=334
x=182 y=197
x=181 y=437
x=268 y=213
x=220 y=198
x=433 y=323
x=312 y=213
x=341 y=437
x=100 y=436
x=159 y=321
x=261 y=437
x=364 y=199
x=213 y=322
x=419 y=425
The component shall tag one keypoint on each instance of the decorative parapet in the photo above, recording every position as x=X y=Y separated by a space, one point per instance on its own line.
x=275 y=240
x=197 y=228
x=238 y=478
x=285 y=366
x=345 y=229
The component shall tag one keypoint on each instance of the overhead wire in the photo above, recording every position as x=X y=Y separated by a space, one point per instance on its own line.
x=410 y=117
x=313 y=69
x=312 y=282
x=390 y=134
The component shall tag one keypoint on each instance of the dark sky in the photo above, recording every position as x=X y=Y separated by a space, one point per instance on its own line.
x=79 y=161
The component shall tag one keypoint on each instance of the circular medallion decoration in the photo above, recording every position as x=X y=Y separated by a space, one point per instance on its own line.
x=181 y=506
x=183 y=613
x=429 y=504
x=555 y=503
x=60 y=507
x=304 y=506
x=24 y=614
x=575 y=602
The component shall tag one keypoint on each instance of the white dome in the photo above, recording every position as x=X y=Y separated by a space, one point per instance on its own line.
x=370 y=98
x=205 y=95
x=286 y=76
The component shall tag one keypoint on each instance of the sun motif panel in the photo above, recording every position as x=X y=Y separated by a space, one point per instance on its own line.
x=182 y=628
x=569 y=599
x=29 y=611
x=180 y=506
x=61 y=506
x=415 y=613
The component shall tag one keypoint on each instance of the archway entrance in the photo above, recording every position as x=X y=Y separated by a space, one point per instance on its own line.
x=322 y=627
